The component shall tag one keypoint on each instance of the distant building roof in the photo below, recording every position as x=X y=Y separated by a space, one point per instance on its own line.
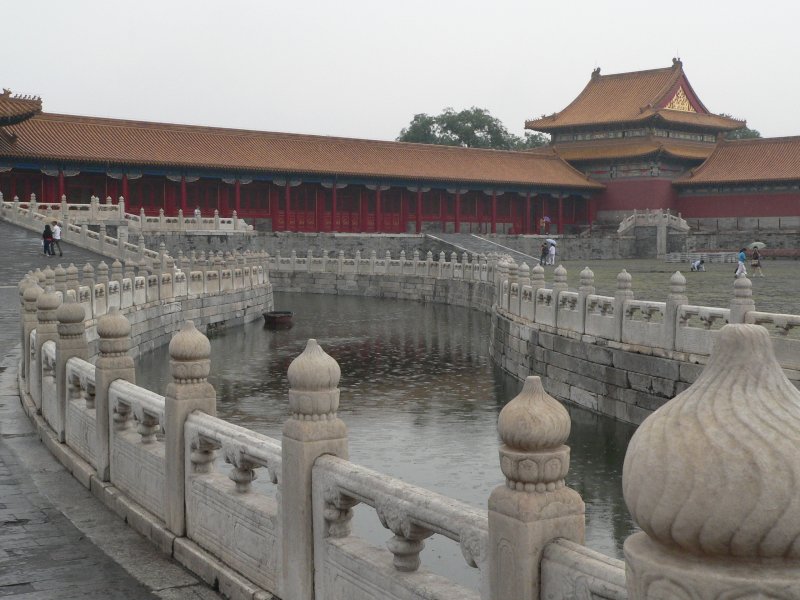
x=632 y=147
x=658 y=94
x=749 y=161
x=56 y=137
x=15 y=109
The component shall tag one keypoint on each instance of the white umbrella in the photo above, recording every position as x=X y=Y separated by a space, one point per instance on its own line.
x=550 y=241
x=758 y=245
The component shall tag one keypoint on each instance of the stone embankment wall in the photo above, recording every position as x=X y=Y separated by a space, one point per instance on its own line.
x=616 y=355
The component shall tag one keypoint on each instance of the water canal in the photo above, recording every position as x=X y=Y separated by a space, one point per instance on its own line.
x=420 y=397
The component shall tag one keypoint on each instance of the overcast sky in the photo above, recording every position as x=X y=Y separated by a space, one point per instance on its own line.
x=364 y=68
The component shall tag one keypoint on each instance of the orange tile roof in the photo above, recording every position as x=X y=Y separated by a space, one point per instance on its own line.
x=632 y=98
x=633 y=147
x=14 y=109
x=745 y=161
x=89 y=139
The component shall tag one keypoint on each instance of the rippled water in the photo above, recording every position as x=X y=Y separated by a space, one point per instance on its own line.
x=420 y=397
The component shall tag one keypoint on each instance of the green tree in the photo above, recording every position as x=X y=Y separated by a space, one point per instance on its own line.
x=741 y=134
x=469 y=128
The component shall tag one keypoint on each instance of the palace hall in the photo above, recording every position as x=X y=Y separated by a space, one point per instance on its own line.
x=640 y=140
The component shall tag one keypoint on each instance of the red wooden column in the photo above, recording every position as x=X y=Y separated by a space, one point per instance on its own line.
x=333 y=208
x=418 y=224
x=183 y=194
x=560 y=214
x=590 y=211
x=378 y=210
x=237 y=196
x=494 y=211
x=527 y=227
x=457 y=225
x=286 y=200
x=125 y=191
x=403 y=210
x=61 y=190
x=443 y=211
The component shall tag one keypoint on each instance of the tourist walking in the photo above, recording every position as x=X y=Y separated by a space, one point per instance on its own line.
x=543 y=254
x=741 y=271
x=551 y=255
x=755 y=262
x=56 y=239
x=47 y=241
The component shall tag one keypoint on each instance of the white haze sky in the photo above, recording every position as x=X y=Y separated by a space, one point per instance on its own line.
x=363 y=69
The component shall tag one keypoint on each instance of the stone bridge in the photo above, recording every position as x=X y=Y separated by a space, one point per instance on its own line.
x=710 y=478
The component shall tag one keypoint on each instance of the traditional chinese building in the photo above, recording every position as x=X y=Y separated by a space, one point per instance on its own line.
x=636 y=133
x=285 y=181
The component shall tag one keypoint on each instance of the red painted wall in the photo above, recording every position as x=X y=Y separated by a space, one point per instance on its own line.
x=763 y=204
x=639 y=194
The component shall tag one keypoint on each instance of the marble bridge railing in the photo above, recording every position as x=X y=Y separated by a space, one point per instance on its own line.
x=728 y=527
x=98 y=214
x=673 y=329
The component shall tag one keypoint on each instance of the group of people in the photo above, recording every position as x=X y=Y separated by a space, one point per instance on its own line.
x=548 y=254
x=51 y=239
x=741 y=269
x=755 y=263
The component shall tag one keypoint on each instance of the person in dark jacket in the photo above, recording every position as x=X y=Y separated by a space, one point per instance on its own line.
x=47 y=236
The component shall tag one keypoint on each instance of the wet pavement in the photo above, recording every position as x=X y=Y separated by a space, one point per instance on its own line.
x=57 y=541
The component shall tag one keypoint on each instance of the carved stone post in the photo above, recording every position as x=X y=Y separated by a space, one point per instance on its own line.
x=190 y=363
x=312 y=430
x=559 y=285
x=675 y=299
x=60 y=279
x=116 y=271
x=71 y=343
x=534 y=506
x=742 y=301
x=584 y=291
x=88 y=276
x=30 y=297
x=46 y=331
x=623 y=294
x=712 y=478
x=72 y=277
x=112 y=363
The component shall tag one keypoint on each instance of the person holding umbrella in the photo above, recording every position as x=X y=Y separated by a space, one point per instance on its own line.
x=755 y=259
x=551 y=253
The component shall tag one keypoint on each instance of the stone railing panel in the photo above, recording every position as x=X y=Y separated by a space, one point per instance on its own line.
x=225 y=514
x=568 y=315
x=351 y=568
x=697 y=326
x=49 y=404
x=785 y=333
x=137 y=455
x=600 y=318
x=545 y=300
x=81 y=435
x=574 y=572
x=643 y=323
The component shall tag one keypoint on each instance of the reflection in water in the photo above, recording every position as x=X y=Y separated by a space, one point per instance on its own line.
x=420 y=397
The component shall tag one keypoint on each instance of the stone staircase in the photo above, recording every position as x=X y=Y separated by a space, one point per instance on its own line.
x=476 y=244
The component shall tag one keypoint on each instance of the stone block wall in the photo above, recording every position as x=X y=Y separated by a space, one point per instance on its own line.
x=616 y=382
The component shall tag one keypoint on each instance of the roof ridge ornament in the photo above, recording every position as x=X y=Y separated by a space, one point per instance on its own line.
x=596 y=73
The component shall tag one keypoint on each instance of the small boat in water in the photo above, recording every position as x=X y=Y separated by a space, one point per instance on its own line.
x=278 y=319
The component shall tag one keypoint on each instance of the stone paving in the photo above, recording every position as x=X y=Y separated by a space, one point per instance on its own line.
x=56 y=540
